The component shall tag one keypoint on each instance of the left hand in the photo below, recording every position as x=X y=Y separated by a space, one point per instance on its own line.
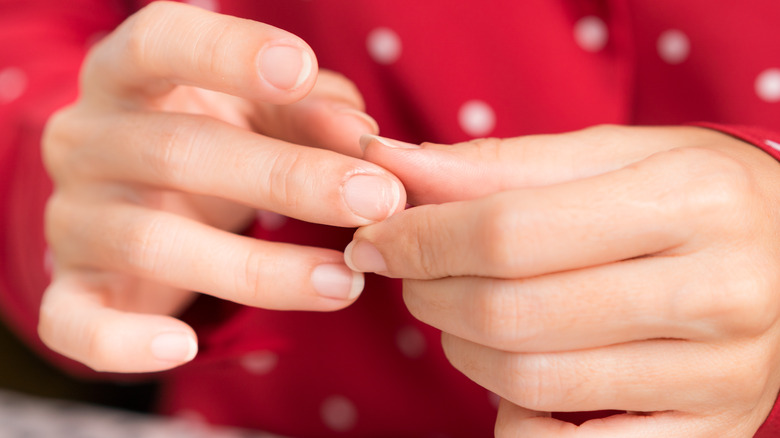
x=635 y=269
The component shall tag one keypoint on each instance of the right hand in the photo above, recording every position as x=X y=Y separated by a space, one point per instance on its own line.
x=189 y=121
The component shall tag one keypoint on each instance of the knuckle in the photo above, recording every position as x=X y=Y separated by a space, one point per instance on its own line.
x=428 y=238
x=534 y=383
x=498 y=225
x=286 y=173
x=715 y=185
x=251 y=283
x=488 y=149
x=499 y=316
x=135 y=31
x=170 y=156
x=143 y=247
x=745 y=385
x=209 y=53
x=741 y=304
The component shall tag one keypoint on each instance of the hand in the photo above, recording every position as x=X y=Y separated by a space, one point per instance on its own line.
x=188 y=122
x=620 y=268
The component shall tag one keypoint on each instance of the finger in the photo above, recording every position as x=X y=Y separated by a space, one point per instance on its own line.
x=201 y=155
x=331 y=117
x=76 y=322
x=526 y=232
x=645 y=298
x=186 y=254
x=167 y=44
x=647 y=376
x=435 y=173
x=516 y=422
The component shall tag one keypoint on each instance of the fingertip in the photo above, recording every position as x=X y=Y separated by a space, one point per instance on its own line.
x=174 y=347
x=363 y=256
x=373 y=197
x=337 y=282
x=288 y=68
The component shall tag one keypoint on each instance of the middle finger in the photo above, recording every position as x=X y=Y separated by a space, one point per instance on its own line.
x=201 y=155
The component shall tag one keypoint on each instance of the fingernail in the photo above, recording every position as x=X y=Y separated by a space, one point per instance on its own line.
x=365 y=118
x=365 y=139
x=174 y=347
x=285 y=67
x=364 y=257
x=337 y=281
x=371 y=197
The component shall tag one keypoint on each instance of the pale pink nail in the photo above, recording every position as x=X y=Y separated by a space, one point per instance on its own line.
x=364 y=257
x=371 y=197
x=174 y=347
x=366 y=139
x=337 y=281
x=285 y=67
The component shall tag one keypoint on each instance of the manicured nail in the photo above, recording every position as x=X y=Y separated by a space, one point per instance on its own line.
x=364 y=257
x=371 y=197
x=174 y=347
x=365 y=118
x=366 y=139
x=285 y=67
x=337 y=281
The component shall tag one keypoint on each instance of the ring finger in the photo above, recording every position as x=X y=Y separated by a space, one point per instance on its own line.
x=189 y=255
x=647 y=376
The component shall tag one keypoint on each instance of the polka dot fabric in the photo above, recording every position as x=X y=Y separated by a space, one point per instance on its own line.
x=436 y=70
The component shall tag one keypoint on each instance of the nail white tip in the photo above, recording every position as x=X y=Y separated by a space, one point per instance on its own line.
x=306 y=69
x=193 y=350
x=358 y=283
x=348 y=257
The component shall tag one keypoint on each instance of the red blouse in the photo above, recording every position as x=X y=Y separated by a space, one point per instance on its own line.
x=433 y=70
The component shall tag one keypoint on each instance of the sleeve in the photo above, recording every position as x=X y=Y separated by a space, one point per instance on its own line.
x=762 y=138
x=42 y=44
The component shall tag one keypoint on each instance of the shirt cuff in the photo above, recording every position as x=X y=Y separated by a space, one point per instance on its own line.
x=764 y=139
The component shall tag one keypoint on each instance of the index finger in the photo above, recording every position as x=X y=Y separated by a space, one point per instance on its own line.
x=167 y=44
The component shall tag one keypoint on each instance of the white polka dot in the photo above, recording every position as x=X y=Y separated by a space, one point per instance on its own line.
x=674 y=46
x=591 y=33
x=209 y=5
x=411 y=342
x=13 y=82
x=260 y=362
x=339 y=413
x=477 y=118
x=384 y=45
x=768 y=85
x=773 y=144
x=271 y=221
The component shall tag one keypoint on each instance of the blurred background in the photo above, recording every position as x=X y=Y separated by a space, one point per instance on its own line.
x=23 y=371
